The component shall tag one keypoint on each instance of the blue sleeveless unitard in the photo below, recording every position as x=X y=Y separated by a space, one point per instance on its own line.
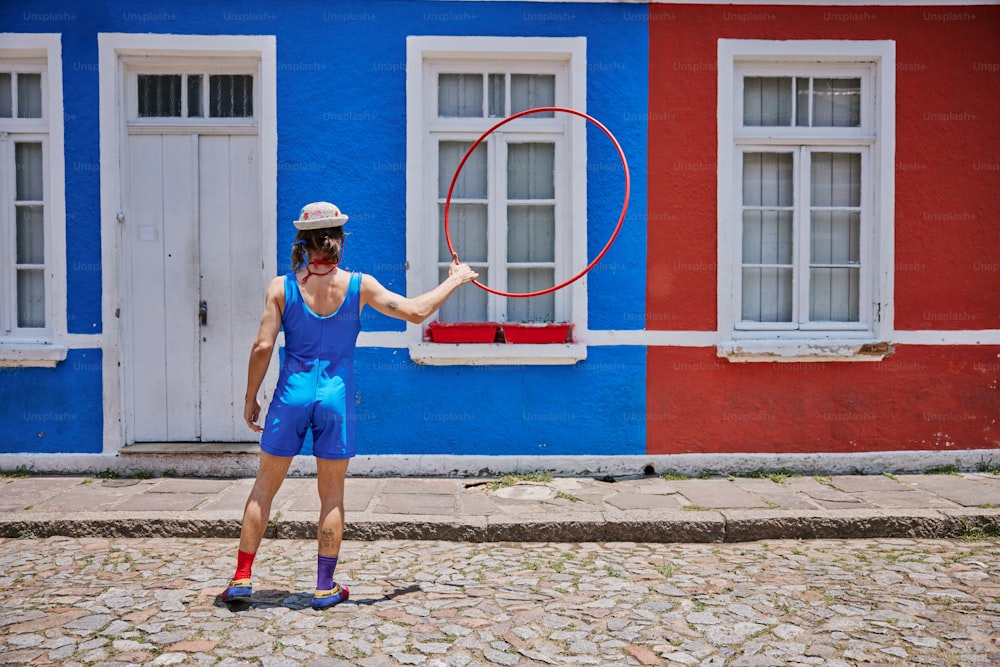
x=316 y=385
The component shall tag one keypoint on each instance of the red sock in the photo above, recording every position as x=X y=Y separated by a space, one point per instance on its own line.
x=244 y=562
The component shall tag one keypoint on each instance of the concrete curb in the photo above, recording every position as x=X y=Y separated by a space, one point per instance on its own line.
x=743 y=526
x=666 y=527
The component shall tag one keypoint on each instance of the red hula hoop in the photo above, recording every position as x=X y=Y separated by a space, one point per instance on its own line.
x=614 y=234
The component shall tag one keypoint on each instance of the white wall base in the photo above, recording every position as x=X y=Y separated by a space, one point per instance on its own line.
x=245 y=464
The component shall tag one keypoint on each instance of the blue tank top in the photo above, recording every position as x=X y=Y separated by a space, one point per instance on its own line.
x=320 y=350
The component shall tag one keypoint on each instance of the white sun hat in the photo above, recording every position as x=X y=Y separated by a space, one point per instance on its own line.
x=320 y=215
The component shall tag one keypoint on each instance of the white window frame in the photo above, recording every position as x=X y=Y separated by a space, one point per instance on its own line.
x=874 y=63
x=42 y=53
x=426 y=57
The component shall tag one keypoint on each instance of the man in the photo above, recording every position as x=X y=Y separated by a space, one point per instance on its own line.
x=319 y=307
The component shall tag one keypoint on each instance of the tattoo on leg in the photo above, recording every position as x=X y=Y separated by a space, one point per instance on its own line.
x=327 y=537
x=392 y=305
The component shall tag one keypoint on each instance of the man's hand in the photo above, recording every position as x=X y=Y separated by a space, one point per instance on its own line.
x=251 y=413
x=463 y=272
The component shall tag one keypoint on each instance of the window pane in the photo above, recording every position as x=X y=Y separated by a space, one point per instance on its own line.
x=835 y=237
x=767 y=179
x=498 y=89
x=531 y=233
x=767 y=237
x=767 y=100
x=460 y=95
x=467 y=228
x=6 y=96
x=29 y=95
x=471 y=183
x=531 y=171
x=836 y=179
x=159 y=95
x=28 y=165
x=194 y=106
x=530 y=91
x=30 y=240
x=767 y=294
x=802 y=96
x=536 y=309
x=836 y=102
x=230 y=95
x=834 y=294
x=30 y=298
x=465 y=305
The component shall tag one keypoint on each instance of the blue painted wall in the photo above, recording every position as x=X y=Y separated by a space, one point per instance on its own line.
x=83 y=176
x=49 y=410
x=342 y=137
x=501 y=410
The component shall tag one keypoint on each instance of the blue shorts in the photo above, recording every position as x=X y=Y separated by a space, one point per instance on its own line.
x=299 y=407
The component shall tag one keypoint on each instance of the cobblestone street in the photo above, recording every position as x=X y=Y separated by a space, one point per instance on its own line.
x=836 y=602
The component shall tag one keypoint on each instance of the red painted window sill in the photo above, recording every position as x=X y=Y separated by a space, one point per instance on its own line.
x=557 y=332
x=486 y=332
x=463 y=332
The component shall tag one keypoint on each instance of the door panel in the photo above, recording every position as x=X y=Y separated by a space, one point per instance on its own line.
x=162 y=235
x=230 y=279
x=180 y=286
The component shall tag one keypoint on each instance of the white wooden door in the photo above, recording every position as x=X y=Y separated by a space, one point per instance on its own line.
x=193 y=229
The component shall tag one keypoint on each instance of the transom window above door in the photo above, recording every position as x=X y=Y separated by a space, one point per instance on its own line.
x=159 y=93
x=195 y=95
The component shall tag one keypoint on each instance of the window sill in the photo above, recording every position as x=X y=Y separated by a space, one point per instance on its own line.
x=13 y=355
x=740 y=351
x=497 y=354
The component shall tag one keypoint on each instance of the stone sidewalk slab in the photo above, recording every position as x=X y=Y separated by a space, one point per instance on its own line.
x=411 y=503
x=776 y=495
x=965 y=491
x=91 y=495
x=717 y=494
x=636 y=501
x=824 y=494
x=15 y=494
x=865 y=483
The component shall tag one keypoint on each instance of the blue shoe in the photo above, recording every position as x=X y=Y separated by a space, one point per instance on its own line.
x=334 y=596
x=238 y=591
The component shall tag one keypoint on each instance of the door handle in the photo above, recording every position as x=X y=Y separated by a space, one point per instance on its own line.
x=203 y=312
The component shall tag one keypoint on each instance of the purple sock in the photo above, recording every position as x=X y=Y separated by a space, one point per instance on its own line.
x=325 y=565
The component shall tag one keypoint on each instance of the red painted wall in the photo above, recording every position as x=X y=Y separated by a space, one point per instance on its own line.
x=947 y=247
x=922 y=397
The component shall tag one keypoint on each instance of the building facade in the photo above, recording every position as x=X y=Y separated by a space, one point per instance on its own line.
x=808 y=265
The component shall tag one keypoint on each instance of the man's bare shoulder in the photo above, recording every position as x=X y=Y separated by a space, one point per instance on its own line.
x=369 y=281
x=276 y=290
